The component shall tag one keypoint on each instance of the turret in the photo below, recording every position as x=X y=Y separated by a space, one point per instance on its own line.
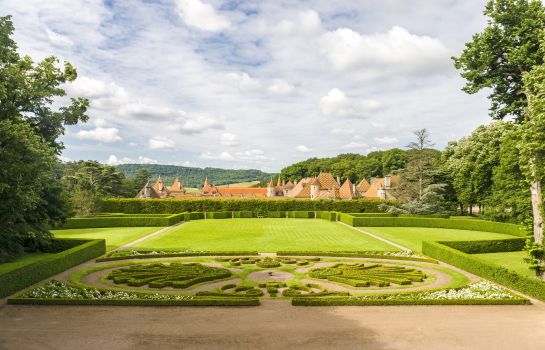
x=270 y=189
x=314 y=189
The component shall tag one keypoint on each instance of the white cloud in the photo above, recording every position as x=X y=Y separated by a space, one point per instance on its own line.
x=106 y=135
x=198 y=125
x=251 y=155
x=377 y=125
x=243 y=81
x=343 y=131
x=102 y=95
x=58 y=39
x=303 y=148
x=396 y=51
x=336 y=104
x=386 y=140
x=228 y=139
x=280 y=87
x=354 y=145
x=114 y=160
x=161 y=142
x=143 y=111
x=65 y=159
x=217 y=156
x=202 y=16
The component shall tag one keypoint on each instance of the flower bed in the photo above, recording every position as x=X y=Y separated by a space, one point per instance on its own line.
x=480 y=293
x=59 y=293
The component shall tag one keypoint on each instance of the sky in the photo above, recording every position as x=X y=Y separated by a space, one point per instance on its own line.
x=255 y=84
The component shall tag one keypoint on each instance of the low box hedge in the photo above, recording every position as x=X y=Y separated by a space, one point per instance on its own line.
x=276 y=214
x=75 y=252
x=350 y=301
x=301 y=214
x=496 y=273
x=196 y=215
x=328 y=215
x=219 y=215
x=196 y=301
x=354 y=254
x=243 y=214
x=488 y=246
x=460 y=224
x=176 y=254
x=123 y=221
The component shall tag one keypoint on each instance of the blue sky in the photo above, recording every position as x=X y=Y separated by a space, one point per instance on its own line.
x=255 y=84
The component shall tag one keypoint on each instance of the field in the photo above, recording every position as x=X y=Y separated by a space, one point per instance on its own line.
x=412 y=237
x=264 y=235
x=511 y=260
x=115 y=236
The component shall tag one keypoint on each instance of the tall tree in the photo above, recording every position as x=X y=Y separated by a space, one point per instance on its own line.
x=31 y=125
x=420 y=162
x=498 y=58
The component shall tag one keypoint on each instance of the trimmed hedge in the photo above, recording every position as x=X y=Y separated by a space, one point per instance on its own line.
x=373 y=215
x=489 y=246
x=372 y=255
x=460 y=224
x=76 y=251
x=219 y=215
x=244 y=214
x=499 y=274
x=123 y=221
x=276 y=214
x=328 y=215
x=301 y=214
x=196 y=301
x=350 y=301
x=196 y=215
x=158 y=206
x=177 y=254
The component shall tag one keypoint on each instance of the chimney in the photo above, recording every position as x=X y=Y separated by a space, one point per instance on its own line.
x=339 y=180
x=388 y=181
x=354 y=188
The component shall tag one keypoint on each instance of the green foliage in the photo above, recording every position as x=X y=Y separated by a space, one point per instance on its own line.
x=146 y=254
x=245 y=214
x=155 y=206
x=352 y=166
x=123 y=221
x=377 y=301
x=72 y=252
x=309 y=290
x=365 y=275
x=192 y=177
x=498 y=57
x=301 y=214
x=160 y=275
x=431 y=202
x=31 y=122
x=355 y=254
x=499 y=274
x=268 y=263
x=219 y=215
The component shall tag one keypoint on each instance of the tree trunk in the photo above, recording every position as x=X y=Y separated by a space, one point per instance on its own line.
x=462 y=209
x=471 y=209
x=535 y=190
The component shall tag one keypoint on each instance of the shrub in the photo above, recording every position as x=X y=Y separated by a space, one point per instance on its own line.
x=123 y=221
x=499 y=274
x=135 y=254
x=268 y=263
x=354 y=301
x=243 y=214
x=328 y=215
x=196 y=215
x=489 y=246
x=276 y=214
x=356 y=254
x=301 y=214
x=373 y=215
x=76 y=251
x=157 y=206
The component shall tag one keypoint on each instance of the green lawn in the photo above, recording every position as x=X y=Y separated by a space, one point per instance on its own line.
x=263 y=235
x=115 y=236
x=412 y=237
x=26 y=259
x=510 y=260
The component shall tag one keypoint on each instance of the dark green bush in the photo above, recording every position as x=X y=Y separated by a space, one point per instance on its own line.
x=196 y=215
x=123 y=221
x=196 y=301
x=276 y=214
x=499 y=274
x=157 y=206
x=76 y=252
x=245 y=214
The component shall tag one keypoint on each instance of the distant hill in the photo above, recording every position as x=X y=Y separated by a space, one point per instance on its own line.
x=194 y=177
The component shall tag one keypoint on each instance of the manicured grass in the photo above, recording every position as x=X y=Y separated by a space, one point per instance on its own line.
x=115 y=236
x=511 y=260
x=263 y=235
x=412 y=237
x=22 y=261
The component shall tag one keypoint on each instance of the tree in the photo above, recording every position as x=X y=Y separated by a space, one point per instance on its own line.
x=31 y=125
x=498 y=58
x=420 y=161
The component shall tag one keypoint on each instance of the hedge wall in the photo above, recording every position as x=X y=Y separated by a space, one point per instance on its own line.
x=157 y=206
x=460 y=224
x=76 y=252
x=489 y=246
x=245 y=214
x=355 y=254
x=219 y=215
x=276 y=214
x=499 y=274
x=301 y=214
x=123 y=221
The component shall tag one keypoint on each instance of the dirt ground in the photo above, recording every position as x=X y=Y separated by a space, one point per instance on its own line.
x=274 y=325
